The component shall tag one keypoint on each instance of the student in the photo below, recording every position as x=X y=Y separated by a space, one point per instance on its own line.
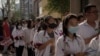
x=24 y=24
x=70 y=44
x=89 y=28
x=45 y=39
x=59 y=26
x=28 y=37
x=94 y=46
x=18 y=39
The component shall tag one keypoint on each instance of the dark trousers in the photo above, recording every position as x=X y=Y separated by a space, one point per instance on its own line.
x=30 y=52
x=19 y=50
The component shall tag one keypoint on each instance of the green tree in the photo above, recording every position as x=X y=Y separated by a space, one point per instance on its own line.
x=60 y=6
x=16 y=16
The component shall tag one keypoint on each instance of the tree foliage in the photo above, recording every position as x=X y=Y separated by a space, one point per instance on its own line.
x=60 y=6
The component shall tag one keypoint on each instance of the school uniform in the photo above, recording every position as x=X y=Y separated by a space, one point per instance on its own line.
x=66 y=46
x=29 y=35
x=86 y=31
x=59 y=29
x=94 y=47
x=18 y=41
x=42 y=37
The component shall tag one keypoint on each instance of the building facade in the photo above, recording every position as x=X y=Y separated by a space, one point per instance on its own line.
x=76 y=6
x=26 y=8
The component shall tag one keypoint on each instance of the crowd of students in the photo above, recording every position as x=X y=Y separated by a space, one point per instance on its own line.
x=76 y=35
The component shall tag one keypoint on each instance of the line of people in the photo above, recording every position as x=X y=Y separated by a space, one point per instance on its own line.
x=49 y=36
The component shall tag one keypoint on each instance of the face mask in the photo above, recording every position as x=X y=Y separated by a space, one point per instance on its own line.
x=19 y=27
x=24 y=25
x=52 y=25
x=73 y=29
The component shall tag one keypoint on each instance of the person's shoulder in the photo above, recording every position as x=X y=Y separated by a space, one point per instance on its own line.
x=81 y=24
x=80 y=37
x=41 y=32
x=61 y=38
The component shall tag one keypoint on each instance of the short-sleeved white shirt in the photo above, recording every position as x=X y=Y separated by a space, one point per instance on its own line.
x=42 y=37
x=16 y=33
x=94 y=47
x=69 y=46
x=85 y=30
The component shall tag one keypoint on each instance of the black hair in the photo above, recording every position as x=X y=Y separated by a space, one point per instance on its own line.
x=5 y=18
x=29 y=22
x=65 y=24
x=17 y=24
x=88 y=8
x=47 y=18
x=45 y=21
x=79 y=17
x=38 y=19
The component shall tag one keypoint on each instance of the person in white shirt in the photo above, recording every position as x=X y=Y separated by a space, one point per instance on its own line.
x=59 y=26
x=28 y=37
x=24 y=24
x=45 y=39
x=94 y=47
x=70 y=44
x=18 y=39
x=89 y=28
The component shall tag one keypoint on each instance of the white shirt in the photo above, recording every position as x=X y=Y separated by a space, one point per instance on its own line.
x=94 y=47
x=59 y=29
x=43 y=37
x=16 y=33
x=29 y=35
x=69 y=46
x=86 y=31
x=24 y=28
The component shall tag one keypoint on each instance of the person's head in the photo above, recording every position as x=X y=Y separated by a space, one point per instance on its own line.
x=58 y=20
x=70 y=25
x=37 y=21
x=24 y=23
x=29 y=24
x=91 y=12
x=49 y=22
x=34 y=23
x=18 y=25
x=81 y=18
x=5 y=18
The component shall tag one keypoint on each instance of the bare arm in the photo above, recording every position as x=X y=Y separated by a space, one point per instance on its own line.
x=44 y=45
x=87 y=41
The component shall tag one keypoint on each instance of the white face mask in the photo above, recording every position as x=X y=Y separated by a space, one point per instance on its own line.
x=73 y=29
x=24 y=25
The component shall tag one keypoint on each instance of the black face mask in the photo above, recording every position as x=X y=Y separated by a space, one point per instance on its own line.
x=52 y=25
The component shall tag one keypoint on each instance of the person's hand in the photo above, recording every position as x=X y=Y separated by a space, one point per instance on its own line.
x=80 y=54
x=51 y=41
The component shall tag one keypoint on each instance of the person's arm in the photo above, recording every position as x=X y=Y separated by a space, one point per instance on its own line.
x=87 y=40
x=80 y=54
x=41 y=46
x=93 y=47
x=59 y=48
